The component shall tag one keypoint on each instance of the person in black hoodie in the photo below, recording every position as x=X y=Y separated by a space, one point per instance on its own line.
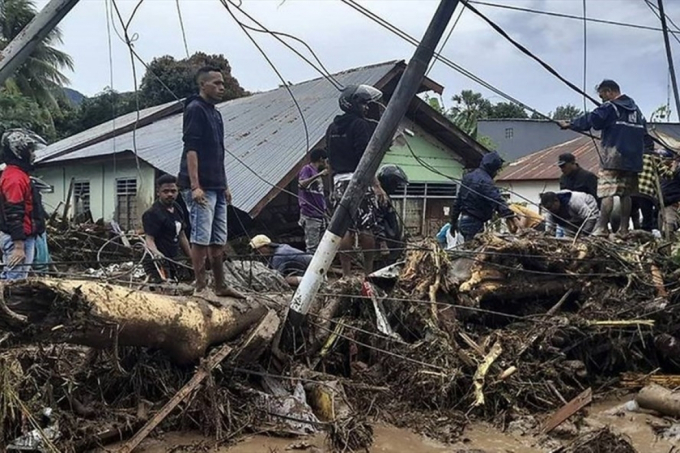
x=203 y=180
x=623 y=140
x=478 y=198
x=22 y=217
x=347 y=138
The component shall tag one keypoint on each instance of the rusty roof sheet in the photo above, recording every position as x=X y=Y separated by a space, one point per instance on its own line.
x=542 y=165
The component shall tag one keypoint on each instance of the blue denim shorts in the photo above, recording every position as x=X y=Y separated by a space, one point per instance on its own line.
x=208 y=221
x=20 y=271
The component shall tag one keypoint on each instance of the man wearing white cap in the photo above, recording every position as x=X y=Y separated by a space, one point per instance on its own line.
x=288 y=261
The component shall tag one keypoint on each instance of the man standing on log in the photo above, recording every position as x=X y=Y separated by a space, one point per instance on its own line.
x=22 y=217
x=203 y=179
x=164 y=227
x=623 y=133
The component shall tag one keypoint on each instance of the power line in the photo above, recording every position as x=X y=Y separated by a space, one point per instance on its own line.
x=527 y=52
x=567 y=16
x=446 y=40
x=655 y=10
x=276 y=34
x=226 y=4
x=181 y=26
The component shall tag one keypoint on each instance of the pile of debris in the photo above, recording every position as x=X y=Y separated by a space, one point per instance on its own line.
x=506 y=327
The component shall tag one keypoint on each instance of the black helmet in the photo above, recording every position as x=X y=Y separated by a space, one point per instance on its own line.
x=353 y=96
x=391 y=177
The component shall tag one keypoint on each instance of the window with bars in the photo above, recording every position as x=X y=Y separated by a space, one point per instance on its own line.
x=429 y=190
x=509 y=132
x=126 y=203
x=81 y=197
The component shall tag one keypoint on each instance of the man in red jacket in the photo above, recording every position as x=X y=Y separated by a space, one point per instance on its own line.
x=22 y=217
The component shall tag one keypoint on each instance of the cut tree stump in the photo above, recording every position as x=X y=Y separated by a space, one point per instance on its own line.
x=105 y=316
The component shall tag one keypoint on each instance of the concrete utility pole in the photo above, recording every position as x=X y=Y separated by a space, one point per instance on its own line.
x=17 y=51
x=669 y=55
x=365 y=173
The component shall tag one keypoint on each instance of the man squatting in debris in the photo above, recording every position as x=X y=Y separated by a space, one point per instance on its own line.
x=22 y=216
x=623 y=132
x=286 y=260
x=203 y=180
x=478 y=198
x=312 y=200
x=346 y=141
x=575 y=212
x=164 y=228
x=574 y=177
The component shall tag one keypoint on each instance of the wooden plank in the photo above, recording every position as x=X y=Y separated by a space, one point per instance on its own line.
x=180 y=396
x=568 y=410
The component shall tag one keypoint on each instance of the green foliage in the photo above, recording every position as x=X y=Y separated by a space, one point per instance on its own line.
x=507 y=110
x=40 y=76
x=662 y=113
x=566 y=112
x=179 y=76
x=17 y=111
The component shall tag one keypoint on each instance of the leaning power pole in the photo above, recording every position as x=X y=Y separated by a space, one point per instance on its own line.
x=669 y=55
x=365 y=173
x=17 y=51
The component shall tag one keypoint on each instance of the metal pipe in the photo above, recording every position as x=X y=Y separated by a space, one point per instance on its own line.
x=17 y=51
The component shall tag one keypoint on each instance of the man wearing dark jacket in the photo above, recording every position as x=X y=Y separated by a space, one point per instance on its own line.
x=203 y=180
x=623 y=133
x=346 y=141
x=478 y=198
x=575 y=178
x=670 y=189
x=22 y=217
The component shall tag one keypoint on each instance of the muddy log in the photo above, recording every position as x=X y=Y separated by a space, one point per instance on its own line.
x=104 y=316
x=659 y=399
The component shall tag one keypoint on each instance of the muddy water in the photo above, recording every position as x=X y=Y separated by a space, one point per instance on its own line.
x=636 y=426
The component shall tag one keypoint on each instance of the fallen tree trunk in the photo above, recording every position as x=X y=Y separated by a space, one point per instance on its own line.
x=104 y=316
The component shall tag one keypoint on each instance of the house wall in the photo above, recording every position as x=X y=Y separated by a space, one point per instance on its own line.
x=430 y=151
x=518 y=138
x=521 y=191
x=103 y=176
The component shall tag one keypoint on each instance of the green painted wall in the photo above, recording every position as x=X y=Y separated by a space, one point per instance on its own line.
x=429 y=150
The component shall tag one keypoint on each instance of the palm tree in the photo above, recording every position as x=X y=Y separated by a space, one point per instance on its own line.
x=40 y=77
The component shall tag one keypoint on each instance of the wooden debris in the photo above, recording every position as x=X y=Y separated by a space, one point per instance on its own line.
x=184 y=392
x=638 y=380
x=568 y=410
x=559 y=304
x=623 y=323
x=482 y=370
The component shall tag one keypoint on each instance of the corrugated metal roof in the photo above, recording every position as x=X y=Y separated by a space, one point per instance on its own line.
x=94 y=133
x=261 y=129
x=542 y=165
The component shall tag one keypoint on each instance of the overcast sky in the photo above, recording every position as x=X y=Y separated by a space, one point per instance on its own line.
x=345 y=39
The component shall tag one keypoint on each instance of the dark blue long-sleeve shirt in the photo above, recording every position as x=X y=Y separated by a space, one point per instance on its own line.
x=204 y=134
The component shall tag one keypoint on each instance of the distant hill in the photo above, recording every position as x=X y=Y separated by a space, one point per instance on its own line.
x=74 y=96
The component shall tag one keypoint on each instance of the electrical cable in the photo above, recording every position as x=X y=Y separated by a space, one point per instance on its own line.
x=276 y=34
x=445 y=41
x=275 y=69
x=527 y=52
x=565 y=16
x=181 y=26
x=446 y=61
x=657 y=13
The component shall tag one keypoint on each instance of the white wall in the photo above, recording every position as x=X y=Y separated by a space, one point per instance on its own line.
x=521 y=191
x=102 y=176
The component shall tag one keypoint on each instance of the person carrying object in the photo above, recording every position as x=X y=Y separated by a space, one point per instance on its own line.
x=478 y=199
